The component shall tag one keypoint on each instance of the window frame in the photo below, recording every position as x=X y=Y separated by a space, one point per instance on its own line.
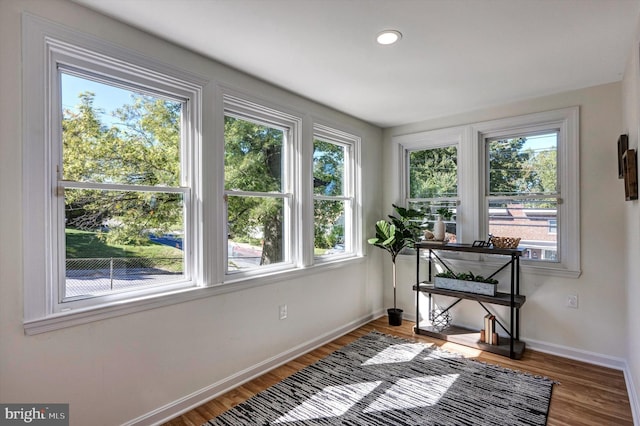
x=437 y=201
x=240 y=107
x=351 y=183
x=61 y=302
x=472 y=172
x=46 y=47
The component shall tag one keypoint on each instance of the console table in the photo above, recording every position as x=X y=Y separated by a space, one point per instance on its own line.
x=513 y=348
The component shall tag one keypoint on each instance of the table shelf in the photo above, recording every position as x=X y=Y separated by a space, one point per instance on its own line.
x=511 y=346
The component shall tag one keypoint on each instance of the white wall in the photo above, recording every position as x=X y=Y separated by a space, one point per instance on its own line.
x=115 y=370
x=598 y=329
x=630 y=126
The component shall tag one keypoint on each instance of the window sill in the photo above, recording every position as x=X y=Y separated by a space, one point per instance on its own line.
x=78 y=317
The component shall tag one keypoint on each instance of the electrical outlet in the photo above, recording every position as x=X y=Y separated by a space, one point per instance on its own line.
x=283 y=311
x=572 y=301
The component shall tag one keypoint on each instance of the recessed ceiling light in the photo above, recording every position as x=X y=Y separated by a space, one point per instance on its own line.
x=388 y=37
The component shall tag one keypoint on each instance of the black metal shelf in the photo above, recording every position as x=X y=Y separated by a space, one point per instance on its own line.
x=512 y=347
x=500 y=298
x=468 y=337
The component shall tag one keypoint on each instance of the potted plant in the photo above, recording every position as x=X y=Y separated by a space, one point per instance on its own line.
x=466 y=281
x=393 y=236
x=445 y=213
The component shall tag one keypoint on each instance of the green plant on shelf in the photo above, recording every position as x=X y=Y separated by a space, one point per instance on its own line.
x=466 y=276
x=445 y=213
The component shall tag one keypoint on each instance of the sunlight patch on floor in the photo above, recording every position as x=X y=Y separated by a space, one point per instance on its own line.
x=397 y=353
x=414 y=392
x=332 y=401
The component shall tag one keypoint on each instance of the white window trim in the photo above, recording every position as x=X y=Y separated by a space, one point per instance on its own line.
x=567 y=121
x=46 y=44
x=471 y=180
x=352 y=193
x=241 y=107
x=38 y=317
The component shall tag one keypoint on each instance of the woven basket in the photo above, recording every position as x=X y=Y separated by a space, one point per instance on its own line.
x=505 y=242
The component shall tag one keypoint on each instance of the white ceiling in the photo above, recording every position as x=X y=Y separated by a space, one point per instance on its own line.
x=455 y=55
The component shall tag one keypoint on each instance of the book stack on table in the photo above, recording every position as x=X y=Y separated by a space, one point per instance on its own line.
x=488 y=334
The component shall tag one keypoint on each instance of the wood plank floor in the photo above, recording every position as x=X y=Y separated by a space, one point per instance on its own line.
x=587 y=394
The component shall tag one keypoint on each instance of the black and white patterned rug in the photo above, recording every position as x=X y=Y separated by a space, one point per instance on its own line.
x=384 y=380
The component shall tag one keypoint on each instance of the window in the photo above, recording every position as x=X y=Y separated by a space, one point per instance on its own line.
x=523 y=190
x=433 y=185
x=110 y=179
x=122 y=186
x=115 y=187
x=516 y=177
x=334 y=202
x=259 y=180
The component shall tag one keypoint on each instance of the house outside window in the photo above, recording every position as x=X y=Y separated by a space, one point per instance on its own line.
x=523 y=193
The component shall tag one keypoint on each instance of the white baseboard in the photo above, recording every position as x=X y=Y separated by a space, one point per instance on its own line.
x=633 y=396
x=577 y=354
x=189 y=402
x=597 y=359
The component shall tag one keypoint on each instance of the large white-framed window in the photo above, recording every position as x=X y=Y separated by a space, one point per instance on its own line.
x=433 y=172
x=517 y=177
x=432 y=186
x=336 y=214
x=261 y=184
x=530 y=178
x=521 y=189
x=110 y=174
x=99 y=174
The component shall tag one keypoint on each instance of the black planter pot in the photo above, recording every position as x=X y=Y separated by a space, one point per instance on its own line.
x=395 y=316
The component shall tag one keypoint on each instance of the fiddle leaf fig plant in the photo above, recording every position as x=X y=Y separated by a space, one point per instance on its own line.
x=396 y=234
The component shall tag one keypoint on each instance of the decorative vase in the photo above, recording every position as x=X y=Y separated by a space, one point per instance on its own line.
x=439 y=229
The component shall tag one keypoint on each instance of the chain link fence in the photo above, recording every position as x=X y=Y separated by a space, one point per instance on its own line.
x=100 y=276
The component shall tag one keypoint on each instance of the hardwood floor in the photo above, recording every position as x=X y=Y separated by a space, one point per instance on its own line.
x=586 y=394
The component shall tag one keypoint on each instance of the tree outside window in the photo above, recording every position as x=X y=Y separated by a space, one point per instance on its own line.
x=523 y=191
x=121 y=182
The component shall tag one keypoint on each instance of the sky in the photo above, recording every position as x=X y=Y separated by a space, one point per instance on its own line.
x=107 y=98
x=541 y=142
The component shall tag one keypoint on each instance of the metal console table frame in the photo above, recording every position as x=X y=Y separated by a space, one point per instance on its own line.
x=514 y=348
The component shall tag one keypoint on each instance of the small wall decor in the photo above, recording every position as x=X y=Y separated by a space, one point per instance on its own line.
x=630 y=172
x=623 y=145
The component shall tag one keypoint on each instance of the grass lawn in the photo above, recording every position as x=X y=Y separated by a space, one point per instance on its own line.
x=85 y=244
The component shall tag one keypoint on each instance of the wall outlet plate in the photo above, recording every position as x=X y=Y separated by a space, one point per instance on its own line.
x=572 y=301
x=283 y=311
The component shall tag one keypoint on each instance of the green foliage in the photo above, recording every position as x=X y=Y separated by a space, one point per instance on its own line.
x=142 y=149
x=85 y=244
x=253 y=162
x=328 y=180
x=466 y=276
x=506 y=160
x=433 y=173
x=398 y=233
x=514 y=171
x=445 y=213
